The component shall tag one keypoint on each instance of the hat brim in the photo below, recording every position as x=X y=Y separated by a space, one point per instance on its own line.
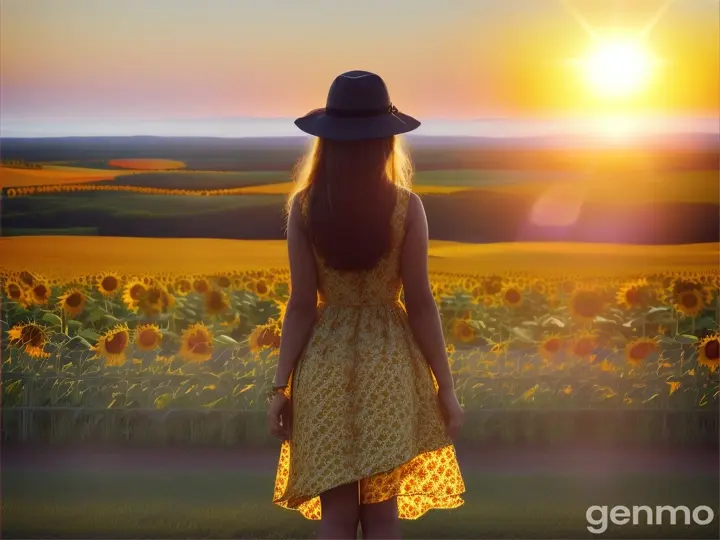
x=320 y=124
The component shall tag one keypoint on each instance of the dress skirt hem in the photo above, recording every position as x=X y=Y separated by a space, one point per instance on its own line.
x=428 y=481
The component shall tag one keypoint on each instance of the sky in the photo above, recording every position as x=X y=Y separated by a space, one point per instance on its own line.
x=175 y=60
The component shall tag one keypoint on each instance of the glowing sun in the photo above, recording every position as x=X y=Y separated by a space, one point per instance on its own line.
x=618 y=68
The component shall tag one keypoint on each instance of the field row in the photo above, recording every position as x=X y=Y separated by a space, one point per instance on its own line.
x=164 y=340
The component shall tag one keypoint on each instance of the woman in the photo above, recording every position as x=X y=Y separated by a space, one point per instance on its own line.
x=363 y=380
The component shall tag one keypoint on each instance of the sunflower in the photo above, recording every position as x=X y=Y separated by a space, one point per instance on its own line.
x=689 y=302
x=462 y=331
x=540 y=287
x=264 y=336
x=201 y=285
x=550 y=347
x=113 y=344
x=583 y=345
x=261 y=288
x=223 y=281
x=634 y=295
x=155 y=300
x=182 y=286
x=586 y=304
x=15 y=292
x=216 y=302
x=511 y=295
x=196 y=343
x=133 y=292
x=148 y=337
x=566 y=286
x=31 y=337
x=27 y=278
x=638 y=350
x=108 y=284
x=73 y=302
x=709 y=352
x=39 y=294
x=492 y=285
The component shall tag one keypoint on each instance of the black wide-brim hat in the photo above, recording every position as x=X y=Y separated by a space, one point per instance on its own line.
x=358 y=107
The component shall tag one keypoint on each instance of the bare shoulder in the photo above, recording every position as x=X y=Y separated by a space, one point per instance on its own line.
x=415 y=209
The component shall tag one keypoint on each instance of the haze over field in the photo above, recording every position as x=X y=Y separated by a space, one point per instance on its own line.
x=215 y=67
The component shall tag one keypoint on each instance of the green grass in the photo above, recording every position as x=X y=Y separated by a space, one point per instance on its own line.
x=119 y=204
x=217 y=503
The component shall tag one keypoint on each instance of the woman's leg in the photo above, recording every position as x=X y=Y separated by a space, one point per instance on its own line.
x=340 y=509
x=380 y=520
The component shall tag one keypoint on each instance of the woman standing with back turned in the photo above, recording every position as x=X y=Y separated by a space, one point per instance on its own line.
x=363 y=398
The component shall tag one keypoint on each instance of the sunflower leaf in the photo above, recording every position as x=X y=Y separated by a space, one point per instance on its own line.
x=74 y=325
x=554 y=321
x=686 y=338
x=522 y=334
x=226 y=340
x=706 y=323
x=52 y=319
x=89 y=334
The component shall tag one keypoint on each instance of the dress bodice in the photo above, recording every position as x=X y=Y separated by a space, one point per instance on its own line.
x=380 y=285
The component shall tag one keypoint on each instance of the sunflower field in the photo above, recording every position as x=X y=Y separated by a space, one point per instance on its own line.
x=171 y=357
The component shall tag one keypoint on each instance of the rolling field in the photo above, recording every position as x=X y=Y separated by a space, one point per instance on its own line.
x=61 y=255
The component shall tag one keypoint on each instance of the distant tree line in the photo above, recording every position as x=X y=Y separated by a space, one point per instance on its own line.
x=20 y=164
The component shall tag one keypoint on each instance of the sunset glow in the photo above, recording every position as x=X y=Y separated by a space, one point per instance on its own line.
x=618 y=68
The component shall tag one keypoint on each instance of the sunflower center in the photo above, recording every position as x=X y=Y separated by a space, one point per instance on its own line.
x=512 y=296
x=224 y=282
x=552 y=345
x=154 y=296
x=14 y=291
x=588 y=304
x=116 y=343
x=584 y=347
x=148 y=338
x=32 y=335
x=184 y=286
x=27 y=278
x=640 y=351
x=712 y=350
x=633 y=296
x=40 y=291
x=215 y=300
x=197 y=343
x=200 y=286
x=74 y=300
x=109 y=283
x=136 y=291
x=261 y=287
x=689 y=300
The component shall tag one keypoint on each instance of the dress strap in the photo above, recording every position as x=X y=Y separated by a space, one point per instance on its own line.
x=401 y=206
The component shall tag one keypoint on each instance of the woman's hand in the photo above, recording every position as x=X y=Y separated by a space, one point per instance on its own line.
x=280 y=416
x=453 y=413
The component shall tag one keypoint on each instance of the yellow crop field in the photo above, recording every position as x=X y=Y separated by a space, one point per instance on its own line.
x=641 y=188
x=624 y=189
x=54 y=174
x=147 y=164
x=68 y=255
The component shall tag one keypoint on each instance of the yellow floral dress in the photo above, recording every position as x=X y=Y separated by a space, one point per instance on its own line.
x=364 y=400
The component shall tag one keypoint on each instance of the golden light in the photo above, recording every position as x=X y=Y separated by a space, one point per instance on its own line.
x=618 y=68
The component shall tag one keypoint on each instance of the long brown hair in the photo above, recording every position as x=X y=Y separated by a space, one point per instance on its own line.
x=350 y=189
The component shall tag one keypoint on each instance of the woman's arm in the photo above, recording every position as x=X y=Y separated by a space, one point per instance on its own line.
x=302 y=305
x=423 y=314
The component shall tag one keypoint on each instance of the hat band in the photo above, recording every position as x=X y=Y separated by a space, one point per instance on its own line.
x=360 y=113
